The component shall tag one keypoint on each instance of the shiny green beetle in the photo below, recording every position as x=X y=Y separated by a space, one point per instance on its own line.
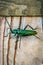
x=22 y=32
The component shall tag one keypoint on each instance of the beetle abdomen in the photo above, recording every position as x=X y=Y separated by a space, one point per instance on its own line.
x=27 y=32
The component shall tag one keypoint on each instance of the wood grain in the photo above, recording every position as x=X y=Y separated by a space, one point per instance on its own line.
x=30 y=51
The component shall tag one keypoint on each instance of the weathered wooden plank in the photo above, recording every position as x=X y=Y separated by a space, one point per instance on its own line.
x=2 y=40
x=6 y=43
x=31 y=48
x=17 y=42
x=29 y=45
x=21 y=8
x=15 y=25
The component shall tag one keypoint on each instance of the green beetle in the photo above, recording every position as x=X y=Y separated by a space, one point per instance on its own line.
x=22 y=32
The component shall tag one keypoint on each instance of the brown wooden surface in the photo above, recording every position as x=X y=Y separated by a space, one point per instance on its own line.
x=31 y=48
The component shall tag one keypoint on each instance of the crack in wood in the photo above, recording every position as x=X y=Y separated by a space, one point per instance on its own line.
x=3 y=42
x=42 y=23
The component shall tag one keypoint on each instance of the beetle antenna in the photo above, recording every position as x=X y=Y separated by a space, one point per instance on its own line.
x=8 y=24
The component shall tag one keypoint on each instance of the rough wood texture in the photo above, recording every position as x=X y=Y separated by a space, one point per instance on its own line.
x=21 y=7
x=31 y=49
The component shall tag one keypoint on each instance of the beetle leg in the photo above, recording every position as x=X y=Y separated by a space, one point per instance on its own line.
x=29 y=26
x=36 y=36
x=36 y=28
x=7 y=34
